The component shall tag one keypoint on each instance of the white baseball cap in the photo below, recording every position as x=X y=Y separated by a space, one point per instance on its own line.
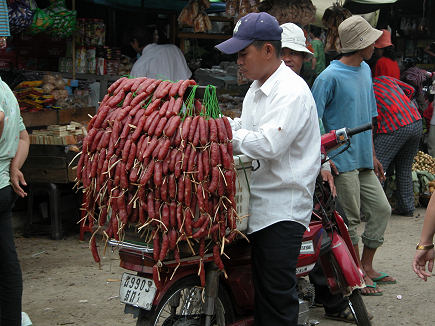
x=293 y=37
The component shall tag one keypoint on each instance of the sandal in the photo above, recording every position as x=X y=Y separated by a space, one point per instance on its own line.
x=345 y=315
x=374 y=286
x=384 y=278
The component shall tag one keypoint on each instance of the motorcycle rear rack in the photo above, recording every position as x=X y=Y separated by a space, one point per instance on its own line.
x=146 y=249
x=143 y=249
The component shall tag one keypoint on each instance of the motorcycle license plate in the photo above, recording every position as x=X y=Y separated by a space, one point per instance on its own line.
x=137 y=291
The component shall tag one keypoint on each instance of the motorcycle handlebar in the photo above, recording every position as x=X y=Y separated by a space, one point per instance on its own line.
x=357 y=130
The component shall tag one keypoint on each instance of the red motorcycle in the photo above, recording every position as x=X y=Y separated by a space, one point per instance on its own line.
x=229 y=299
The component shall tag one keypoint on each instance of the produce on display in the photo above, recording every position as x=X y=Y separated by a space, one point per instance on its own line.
x=301 y=12
x=423 y=180
x=20 y=16
x=194 y=15
x=55 y=19
x=424 y=170
x=41 y=94
x=332 y=17
x=164 y=164
x=424 y=162
x=240 y=8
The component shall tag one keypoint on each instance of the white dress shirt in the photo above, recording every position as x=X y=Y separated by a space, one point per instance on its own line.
x=280 y=128
x=161 y=61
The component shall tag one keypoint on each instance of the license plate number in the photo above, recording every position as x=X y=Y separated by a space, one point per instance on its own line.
x=137 y=291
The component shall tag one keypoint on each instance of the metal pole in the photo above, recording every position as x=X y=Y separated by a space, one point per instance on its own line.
x=73 y=47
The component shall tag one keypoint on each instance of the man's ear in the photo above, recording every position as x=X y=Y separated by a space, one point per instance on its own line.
x=269 y=50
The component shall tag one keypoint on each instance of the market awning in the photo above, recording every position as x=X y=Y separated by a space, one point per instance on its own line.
x=366 y=8
x=374 y=2
x=177 y=5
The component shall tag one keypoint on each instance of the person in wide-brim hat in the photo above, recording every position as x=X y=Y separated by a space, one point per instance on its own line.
x=386 y=64
x=344 y=97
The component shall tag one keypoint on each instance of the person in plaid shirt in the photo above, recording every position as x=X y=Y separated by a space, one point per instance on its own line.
x=397 y=135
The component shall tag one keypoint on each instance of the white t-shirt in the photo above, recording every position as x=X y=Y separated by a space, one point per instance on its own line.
x=161 y=61
x=280 y=128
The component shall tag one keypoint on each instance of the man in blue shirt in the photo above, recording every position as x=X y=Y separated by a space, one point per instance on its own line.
x=344 y=97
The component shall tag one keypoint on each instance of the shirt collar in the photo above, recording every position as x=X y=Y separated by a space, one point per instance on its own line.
x=148 y=47
x=268 y=85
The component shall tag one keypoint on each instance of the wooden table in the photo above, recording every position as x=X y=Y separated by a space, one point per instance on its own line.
x=56 y=117
x=46 y=171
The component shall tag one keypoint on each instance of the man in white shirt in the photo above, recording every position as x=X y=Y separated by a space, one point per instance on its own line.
x=159 y=61
x=279 y=127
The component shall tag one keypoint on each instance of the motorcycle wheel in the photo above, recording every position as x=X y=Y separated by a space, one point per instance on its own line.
x=358 y=308
x=182 y=306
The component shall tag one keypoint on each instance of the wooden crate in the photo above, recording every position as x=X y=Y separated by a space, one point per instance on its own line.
x=52 y=117
x=49 y=163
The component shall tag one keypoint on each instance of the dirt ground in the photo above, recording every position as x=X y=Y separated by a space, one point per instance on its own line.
x=63 y=285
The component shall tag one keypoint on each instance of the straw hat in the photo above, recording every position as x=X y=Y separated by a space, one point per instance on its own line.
x=356 y=34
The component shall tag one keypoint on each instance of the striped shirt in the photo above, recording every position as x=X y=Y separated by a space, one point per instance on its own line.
x=395 y=108
x=4 y=19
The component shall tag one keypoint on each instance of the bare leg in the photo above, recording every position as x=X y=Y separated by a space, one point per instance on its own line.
x=367 y=264
x=367 y=279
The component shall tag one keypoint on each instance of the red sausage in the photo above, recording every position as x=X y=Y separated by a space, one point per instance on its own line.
x=172 y=239
x=149 y=120
x=152 y=107
x=188 y=221
x=203 y=137
x=163 y=109
x=212 y=130
x=158 y=173
x=228 y=128
x=178 y=163
x=192 y=128
x=214 y=179
x=165 y=246
x=177 y=106
x=156 y=246
x=214 y=154
x=169 y=111
x=131 y=156
x=153 y=125
x=180 y=188
x=165 y=216
x=222 y=132
x=175 y=87
x=185 y=128
x=147 y=173
x=115 y=84
x=187 y=191
x=159 y=129
x=164 y=149
x=226 y=159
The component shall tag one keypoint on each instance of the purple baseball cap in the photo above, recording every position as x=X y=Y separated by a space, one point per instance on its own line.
x=253 y=27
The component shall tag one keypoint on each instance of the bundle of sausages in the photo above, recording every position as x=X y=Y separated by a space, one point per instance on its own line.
x=154 y=165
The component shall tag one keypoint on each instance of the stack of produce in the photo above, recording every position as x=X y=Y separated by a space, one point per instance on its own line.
x=166 y=170
x=194 y=14
x=332 y=18
x=240 y=8
x=301 y=12
x=31 y=97
x=424 y=162
x=41 y=94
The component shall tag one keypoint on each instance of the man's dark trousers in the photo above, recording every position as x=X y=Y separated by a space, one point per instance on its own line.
x=275 y=251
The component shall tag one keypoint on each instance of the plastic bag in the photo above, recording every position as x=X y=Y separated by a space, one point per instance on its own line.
x=64 y=20
x=41 y=21
x=20 y=16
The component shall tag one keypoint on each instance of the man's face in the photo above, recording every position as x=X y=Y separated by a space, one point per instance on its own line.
x=135 y=45
x=293 y=59
x=251 y=62
x=367 y=52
